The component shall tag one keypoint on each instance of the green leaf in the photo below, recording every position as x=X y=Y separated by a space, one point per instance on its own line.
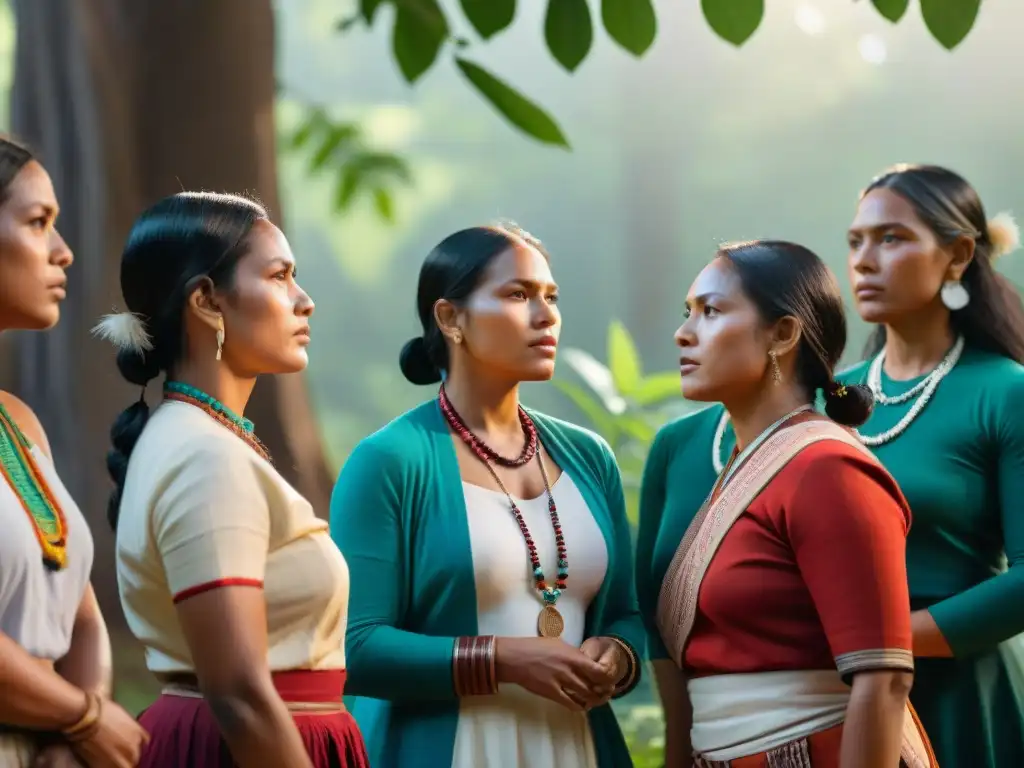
x=602 y=421
x=733 y=20
x=384 y=204
x=316 y=122
x=657 y=388
x=893 y=10
x=623 y=359
x=383 y=165
x=631 y=23
x=420 y=30
x=489 y=17
x=632 y=499
x=637 y=428
x=349 y=179
x=517 y=109
x=949 y=21
x=597 y=376
x=336 y=138
x=368 y=9
x=303 y=134
x=345 y=24
x=568 y=31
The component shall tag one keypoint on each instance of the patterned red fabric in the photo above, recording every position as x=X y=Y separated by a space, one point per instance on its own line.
x=813 y=570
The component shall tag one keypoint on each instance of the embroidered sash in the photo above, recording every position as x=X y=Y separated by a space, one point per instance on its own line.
x=677 y=601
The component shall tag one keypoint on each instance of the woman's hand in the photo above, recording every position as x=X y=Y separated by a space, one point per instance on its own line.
x=116 y=743
x=608 y=654
x=552 y=668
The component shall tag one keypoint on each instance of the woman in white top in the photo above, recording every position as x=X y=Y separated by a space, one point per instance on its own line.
x=226 y=576
x=500 y=617
x=54 y=649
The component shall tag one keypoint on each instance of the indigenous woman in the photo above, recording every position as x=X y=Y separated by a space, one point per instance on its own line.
x=945 y=371
x=502 y=615
x=783 y=608
x=226 y=576
x=54 y=650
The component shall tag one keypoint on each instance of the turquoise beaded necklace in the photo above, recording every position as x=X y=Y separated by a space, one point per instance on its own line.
x=197 y=394
x=241 y=426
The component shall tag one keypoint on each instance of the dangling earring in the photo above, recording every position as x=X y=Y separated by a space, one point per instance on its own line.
x=456 y=338
x=220 y=336
x=776 y=371
x=954 y=295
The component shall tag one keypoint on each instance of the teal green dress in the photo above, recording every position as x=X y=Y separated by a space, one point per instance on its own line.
x=398 y=515
x=960 y=465
x=678 y=476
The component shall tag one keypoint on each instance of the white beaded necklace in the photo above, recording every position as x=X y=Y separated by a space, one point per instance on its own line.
x=716 y=444
x=923 y=390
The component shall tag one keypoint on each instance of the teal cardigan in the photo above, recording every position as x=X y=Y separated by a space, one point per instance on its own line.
x=399 y=516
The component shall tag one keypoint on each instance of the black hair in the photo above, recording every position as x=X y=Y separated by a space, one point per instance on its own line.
x=788 y=280
x=172 y=246
x=13 y=157
x=452 y=271
x=950 y=207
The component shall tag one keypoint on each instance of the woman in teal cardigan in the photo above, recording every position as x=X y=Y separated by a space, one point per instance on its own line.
x=495 y=614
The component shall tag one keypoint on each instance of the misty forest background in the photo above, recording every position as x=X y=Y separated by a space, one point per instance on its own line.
x=680 y=139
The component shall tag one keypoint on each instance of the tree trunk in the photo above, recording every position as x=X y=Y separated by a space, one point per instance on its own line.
x=127 y=101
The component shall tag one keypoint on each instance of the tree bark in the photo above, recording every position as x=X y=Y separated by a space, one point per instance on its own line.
x=127 y=101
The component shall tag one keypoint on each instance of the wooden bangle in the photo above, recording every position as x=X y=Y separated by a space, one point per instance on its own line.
x=473 y=666
x=457 y=667
x=89 y=722
x=632 y=665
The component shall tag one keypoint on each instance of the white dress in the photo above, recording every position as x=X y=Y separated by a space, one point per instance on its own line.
x=37 y=605
x=515 y=728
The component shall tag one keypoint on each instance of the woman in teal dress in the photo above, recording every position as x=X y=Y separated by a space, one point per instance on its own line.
x=945 y=367
x=493 y=614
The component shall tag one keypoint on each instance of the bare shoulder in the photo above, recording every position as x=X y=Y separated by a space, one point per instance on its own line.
x=26 y=420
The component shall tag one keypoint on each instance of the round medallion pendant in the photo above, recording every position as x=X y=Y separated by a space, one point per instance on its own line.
x=550 y=622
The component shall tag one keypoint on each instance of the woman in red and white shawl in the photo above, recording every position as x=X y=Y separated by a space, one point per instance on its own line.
x=784 y=609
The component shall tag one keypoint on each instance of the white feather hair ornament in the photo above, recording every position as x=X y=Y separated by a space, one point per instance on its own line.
x=1004 y=234
x=126 y=331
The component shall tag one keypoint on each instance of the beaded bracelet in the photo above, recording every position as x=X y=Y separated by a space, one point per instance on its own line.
x=473 y=666
x=89 y=722
x=629 y=679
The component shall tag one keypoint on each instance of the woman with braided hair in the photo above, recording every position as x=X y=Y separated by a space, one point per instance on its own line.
x=226 y=575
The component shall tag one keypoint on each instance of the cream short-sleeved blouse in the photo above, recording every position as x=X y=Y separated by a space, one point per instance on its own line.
x=201 y=510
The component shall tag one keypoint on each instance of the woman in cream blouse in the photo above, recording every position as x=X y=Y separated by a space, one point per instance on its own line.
x=226 y=576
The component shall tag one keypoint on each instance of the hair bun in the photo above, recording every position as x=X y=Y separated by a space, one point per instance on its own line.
x=416 y=365
x=848 y=404
x=1004 y=234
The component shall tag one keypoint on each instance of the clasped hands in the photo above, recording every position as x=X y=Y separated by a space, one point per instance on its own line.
x=577 y=678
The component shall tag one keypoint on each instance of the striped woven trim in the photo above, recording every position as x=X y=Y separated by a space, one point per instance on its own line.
x=874 y=659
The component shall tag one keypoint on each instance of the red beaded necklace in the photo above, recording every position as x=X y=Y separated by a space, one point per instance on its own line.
x=248 y=437
x=481 y=449
x=549 y=622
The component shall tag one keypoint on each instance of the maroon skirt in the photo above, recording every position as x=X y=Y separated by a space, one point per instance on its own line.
x=184 y=733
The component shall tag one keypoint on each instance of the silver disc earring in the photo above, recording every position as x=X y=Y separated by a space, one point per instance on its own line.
x=954 y=296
